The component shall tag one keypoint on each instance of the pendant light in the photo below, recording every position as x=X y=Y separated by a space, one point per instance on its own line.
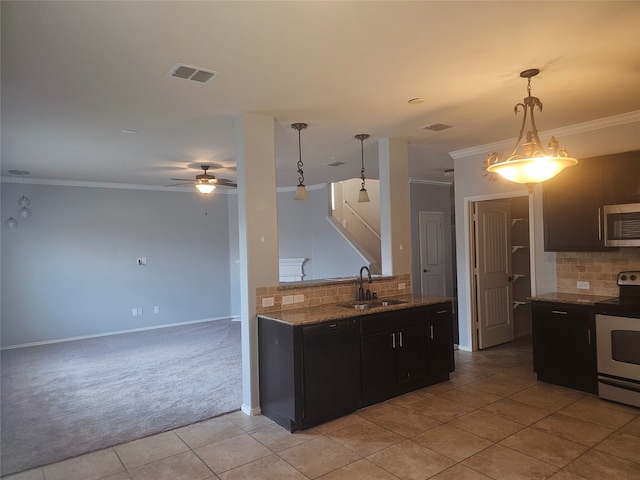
x=301 y=190
x=363 y=196
x=536 y=164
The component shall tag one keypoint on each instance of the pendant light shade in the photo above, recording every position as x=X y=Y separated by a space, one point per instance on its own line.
x=535 y=164
x=11 y=223
x=363 y=196
x=24 y=201
x=301 y=190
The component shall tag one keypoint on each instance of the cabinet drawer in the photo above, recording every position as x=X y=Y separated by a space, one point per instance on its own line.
x=391 y=320
x=440 y=312
x=562 y=311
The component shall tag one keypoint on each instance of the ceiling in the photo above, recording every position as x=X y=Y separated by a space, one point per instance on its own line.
x=77 y=76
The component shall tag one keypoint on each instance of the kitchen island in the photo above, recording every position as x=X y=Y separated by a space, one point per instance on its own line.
x=319 y=363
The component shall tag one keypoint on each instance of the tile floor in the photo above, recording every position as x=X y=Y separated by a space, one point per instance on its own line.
x=493 y=420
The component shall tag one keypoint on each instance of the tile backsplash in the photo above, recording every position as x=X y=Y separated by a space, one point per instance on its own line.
x=298 y=295
x=600 y=269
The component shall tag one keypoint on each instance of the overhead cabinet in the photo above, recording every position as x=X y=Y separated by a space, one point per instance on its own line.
x=573 y=201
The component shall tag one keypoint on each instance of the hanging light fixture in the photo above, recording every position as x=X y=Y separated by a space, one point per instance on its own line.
x=11 y=223
x=363 y=196
x=536 y=164
x=205 y=183
x=301 y=190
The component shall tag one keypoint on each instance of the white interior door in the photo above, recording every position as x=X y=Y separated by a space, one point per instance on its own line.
x=494 y=288
x=432 y=276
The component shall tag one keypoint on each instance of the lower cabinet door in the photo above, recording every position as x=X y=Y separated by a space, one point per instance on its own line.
x=411 y=354
x=379 y=372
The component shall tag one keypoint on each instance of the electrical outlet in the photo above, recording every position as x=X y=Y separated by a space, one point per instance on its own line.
x=141 y=261
x=140 y=311
x=134 y=312
x=268 y=302
x=401 y=286
x=156 y=309
x=298 y=298
x=582 y=285
x=287 y=299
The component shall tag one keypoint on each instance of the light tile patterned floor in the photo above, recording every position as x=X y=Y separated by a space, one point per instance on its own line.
x=493 y=420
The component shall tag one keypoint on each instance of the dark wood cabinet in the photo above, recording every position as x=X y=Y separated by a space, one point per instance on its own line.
x=316 y=373
x=573 y=201
x=572 y=205
x=331 y=371
x=439 y=337
x=564 y=345
x=622 y=178
x=406 y=350
x=394 y=357
x=308 y=375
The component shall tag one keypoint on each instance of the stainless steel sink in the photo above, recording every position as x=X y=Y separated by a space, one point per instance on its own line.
x=367 y=304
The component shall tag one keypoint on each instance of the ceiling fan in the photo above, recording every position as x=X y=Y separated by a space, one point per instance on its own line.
x=205 y=183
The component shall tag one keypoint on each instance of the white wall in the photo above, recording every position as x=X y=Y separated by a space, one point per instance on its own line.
x=70 y=269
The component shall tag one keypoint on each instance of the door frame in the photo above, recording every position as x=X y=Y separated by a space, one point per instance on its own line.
x=469 y=246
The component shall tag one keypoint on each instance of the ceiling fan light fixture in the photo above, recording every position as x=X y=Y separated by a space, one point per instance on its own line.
x=363 y=196
x=301 y=190
x=204 y=186
x=205 y=183
x=535 y=164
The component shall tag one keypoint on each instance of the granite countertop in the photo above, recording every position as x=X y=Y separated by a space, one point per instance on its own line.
x=323 y=313
x=572 y=298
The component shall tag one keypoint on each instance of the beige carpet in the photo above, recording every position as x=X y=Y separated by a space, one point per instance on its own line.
x=61 y=400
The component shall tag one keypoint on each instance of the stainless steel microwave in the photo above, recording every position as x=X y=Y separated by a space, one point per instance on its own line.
x=622 y=225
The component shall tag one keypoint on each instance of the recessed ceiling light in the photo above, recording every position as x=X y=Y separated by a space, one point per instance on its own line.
x=130 y=132
x=335 y=163
x=416 y=101
x=436 y=127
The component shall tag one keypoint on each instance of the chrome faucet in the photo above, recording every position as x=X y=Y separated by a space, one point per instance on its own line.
x=361 y=294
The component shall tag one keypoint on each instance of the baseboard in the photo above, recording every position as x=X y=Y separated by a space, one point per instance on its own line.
x=118 y=332
x=250 y=411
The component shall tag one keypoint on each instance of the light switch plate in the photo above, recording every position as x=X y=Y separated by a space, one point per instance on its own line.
x=401 y=286
x=268 y=302
x=582 y=285
x=298 y=298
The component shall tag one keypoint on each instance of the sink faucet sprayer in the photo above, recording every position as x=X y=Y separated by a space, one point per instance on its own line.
x=361 y=294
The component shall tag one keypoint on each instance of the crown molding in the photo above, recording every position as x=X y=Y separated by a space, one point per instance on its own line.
x=584 y=127
x=130 y=186
x=424 y=181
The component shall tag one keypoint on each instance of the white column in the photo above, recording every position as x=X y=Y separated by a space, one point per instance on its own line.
x=258 y=224
x=395 y=210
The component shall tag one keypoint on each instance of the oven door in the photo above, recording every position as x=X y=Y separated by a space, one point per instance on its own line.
x=618 y=341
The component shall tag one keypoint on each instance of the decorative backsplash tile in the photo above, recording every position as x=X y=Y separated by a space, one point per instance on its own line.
x=296 y=295
x=600 y=269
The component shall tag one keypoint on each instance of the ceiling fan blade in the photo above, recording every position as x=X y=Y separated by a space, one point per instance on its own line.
x=182 y=179
x=181 y=183
x=223 y=182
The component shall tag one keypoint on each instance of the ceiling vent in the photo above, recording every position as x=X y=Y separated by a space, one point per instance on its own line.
x=436 y=127
x=191 y=73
